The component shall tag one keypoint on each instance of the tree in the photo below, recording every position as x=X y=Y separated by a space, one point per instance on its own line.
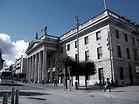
x=87 y=68
x=62 y=63
x=77 y=68
x=66 y=61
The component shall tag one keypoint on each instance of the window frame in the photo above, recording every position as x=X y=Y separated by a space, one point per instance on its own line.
x=99 y=52
x=98 y=35
x=86 y=41
x=68 y=47
x=128 y=53
x=119 y=54
x=87 y=55
x=117 y=33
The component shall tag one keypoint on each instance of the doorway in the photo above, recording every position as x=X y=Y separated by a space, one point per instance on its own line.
x=130 y=74
x=101 y=76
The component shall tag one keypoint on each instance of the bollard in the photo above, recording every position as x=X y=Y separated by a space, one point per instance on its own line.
x=76 y=85
x=12 y=96
x=17 y=97
x=5 y=98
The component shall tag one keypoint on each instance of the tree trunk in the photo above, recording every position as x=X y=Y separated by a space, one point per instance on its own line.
x=86 y=81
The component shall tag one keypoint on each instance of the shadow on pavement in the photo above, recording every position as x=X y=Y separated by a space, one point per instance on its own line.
x=91 y=87
x=14 y=84
x=24 y=93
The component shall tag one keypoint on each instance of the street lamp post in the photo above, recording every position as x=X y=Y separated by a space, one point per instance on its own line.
x=77 y=28
x=69 y=77
x=110 y=50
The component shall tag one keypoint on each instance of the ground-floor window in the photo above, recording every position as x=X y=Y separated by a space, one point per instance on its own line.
x=121 y=73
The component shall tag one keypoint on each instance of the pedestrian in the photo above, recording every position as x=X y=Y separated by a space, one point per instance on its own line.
x=55 y=82
x=107 y=85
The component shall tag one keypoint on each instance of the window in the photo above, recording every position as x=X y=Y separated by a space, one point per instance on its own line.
x=121 y=73
x=76 y=57
x=61 y=49
x=135 y=53
x=128 y=53
x=86 y=40
x=68 y=47
x=75 y=44
x=133 y=40
x=119 y=51
x=99 y=52
x=117 y=33
x=98 y=35
x=126 y=38
x=86 y=55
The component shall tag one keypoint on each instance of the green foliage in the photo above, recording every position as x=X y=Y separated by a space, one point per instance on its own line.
x=77 y=68
x=87 y=68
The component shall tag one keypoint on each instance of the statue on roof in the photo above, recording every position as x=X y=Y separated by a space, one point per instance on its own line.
x=1 y=51
x=36 y=36
x=44 y=30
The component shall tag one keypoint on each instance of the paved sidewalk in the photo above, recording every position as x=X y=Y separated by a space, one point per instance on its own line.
x=51 y=94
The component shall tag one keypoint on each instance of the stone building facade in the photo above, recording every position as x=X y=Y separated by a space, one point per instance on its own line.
x=41 y=56
x=109 y=40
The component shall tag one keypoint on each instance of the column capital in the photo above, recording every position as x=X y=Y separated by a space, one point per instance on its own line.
x=44 y=49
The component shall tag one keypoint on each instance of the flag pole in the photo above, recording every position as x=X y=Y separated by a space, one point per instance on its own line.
x=105 y=4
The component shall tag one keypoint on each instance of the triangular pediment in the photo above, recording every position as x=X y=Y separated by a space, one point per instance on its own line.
x=33 y=45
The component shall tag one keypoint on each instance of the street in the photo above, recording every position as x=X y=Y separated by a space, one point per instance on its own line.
x=48 y=94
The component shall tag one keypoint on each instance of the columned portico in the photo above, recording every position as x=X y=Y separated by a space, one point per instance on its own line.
x=40 y=59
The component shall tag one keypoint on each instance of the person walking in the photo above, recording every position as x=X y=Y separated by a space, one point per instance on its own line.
x=55 y=82
x=108 y=85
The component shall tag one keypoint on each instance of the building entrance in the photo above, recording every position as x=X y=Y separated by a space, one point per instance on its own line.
x=101 y=75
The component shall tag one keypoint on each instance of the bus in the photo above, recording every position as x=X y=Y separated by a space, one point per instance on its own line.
x=6 y=77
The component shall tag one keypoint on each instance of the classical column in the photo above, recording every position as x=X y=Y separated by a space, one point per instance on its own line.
x=51 y=69
x=35 y=68
x=33 y=62
x=27 y=70
x=39 y=68
x=45 y=70
x=30 y=69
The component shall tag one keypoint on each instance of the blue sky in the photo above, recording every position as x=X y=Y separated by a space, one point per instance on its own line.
x=21 y=19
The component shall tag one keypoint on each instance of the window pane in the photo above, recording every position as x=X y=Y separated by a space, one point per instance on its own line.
x=117 y=33
x=127 y=52
x=61 y=49
x=121 y=73
x=68 y=47
x=99 y=52
x=86 y=40
x=76 y=57
x=98 y=35
x=119 y=51
x=126 y=38
x=86 y=55
x=75 y=44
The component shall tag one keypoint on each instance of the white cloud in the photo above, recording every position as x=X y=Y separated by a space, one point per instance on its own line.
x=20 y=47
x=12 y=49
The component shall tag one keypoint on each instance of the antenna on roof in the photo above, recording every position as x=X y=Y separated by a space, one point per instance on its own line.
x=104 y=4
